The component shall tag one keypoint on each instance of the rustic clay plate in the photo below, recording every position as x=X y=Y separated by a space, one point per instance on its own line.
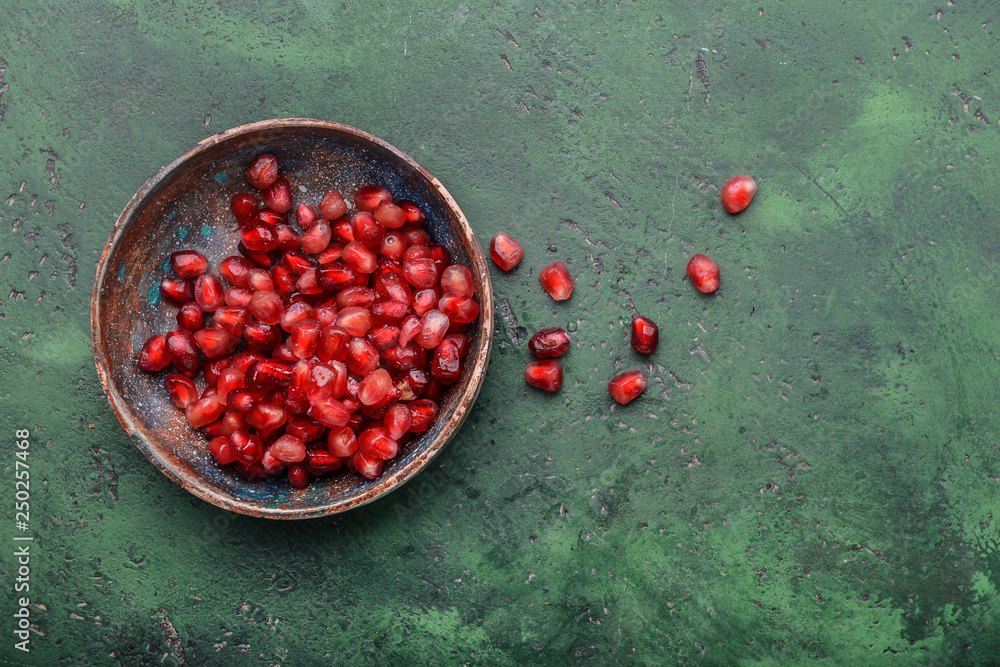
x=186 y=205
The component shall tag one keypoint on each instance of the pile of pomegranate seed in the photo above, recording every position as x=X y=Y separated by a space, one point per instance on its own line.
x=331 y=346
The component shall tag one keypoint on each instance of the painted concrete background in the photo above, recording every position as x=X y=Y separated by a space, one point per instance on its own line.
x=814 y=470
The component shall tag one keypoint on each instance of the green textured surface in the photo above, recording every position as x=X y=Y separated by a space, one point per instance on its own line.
x=813 y=471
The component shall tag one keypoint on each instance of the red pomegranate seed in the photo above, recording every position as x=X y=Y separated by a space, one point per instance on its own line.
x=244 y=360
x=243 y=400
x=368 y=197
x=232 y=421
x=295 y=312
x=177 y=290
x=263 y=171
x=333 y=343
x=393 y=246
x=237 y=296
x=546 y=374
x=421 y=272
x=410 y=327
x=367 y=230
x=289 y=240
x=422 y=412
x=397 y=421
x=405 y=358
x=332 y=205
x=375 y=387
x=326 y=314
x=461 y=342
x=414 y=214
x=304 y=338
x=392 y=285
x=262 y=336
x=180 y=349
x=330 y=412
x=182 y=390
x=434 y=327
x=737 y=193
x=324 y=381
x=369 y=468
x=446 y=367
x=259 y=280
x=298 y=477
x=191 y=317
x=388 y=310
x=214 y=368
x=417 y=236
x=549 y=343
x=305 y=428
x=220 y=449
x=259 y=237
x=342 y=230
x=355 y=320
x=645 y=335
x=358 y=297
x=383 y=337
x=306 y=216
x=266 y=307
x=342 y=441
x=232 y=319
x=390 y=216
x=266 y=416
x=268 y=374
x=297 y=262
x=289 y=449
x=245 y=446
x=284 y=284
x=153 y=356
x=704 y=273
x=260 y=259
x=376 y=443
x=627 y=386
x=320 y=461
x=213 y=430
x=358 y=257
x=244 y=206
x=362 y=357
x=317 y=238
x=235 y=269
x=459 y=307
x=278 y=195
x=253 y=472
x=424 y=301
x=188 y=263
x=505 y=251
x=215 y=342
x=271 y=464
x=229 y=380
x=204 y=411
x=457 y=278
x=271 y=218
x=556 y=281
x=441 y=256
x=336 y=275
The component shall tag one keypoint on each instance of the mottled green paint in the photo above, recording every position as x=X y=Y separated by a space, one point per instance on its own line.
x=813 y=470
x=183 y=232
x=221 y=177
x=206 y=230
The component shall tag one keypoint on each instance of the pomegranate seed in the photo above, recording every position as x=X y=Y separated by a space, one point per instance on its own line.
x=278 y=195
x=297 y=262
x=295 y=312
x=268 y=374
x=235 y=269
x=204 y=411
x=457 y=278
x=317 y=238
x=392 y=285
x=180 y=349
x=461 y=342
x=213 y=430
x=336 y=275
x=421 y=272
x=262 y=336
x=556 y=281
x=549 y=343
x=546 y=374
x=342 y=230
x=271 y=464
x=263 y=172
x=215 y=342
x=306 y=216
x=243 y=400
x=441 y=257
x=362 y=357
x=259 y=280
x=332 y=205
x=188 y=263
x=375 y=387
x=284 y=284
x=393 y=246
x=446 y=366
x=214 y=368
x=704 y=273
x=305 y=428
x=414 y=214
x=233 y=320
x=330 y=412
x=229 y=380
x=737 y=193
x=298 y=477
x=325 y=380
x=182 y=390
x=288 y=448
x=244 y=360
x=232 y=421
x=333 y=343
x=424 y=301
x=390 y=216
x=368 y=197
x=304 y=338
x=358 y=257
x=405 y=358
x=645 y=335
x=383 y=337
x=283 y=353
x=355 y=320
x=376 y=443
x=220 y=449
x=369 y=468
x=260 y=259
x=266 y=307
x=627 y=386
x=319 y=461
x=417 y=236
x=245 y=446
x=459 y=307
x=367 y=230
x=326 y=314
x=411 y=327
x=258 y=236
x=237 y=296
x=388 y=310
x=505 y=251
x=434 y=327
x=244 y=206
x=177 y=290
x=397 y=421
x=289 y=240
x=359 y=297
x=342 y=442
x=153 y=356
x=422 y=412
x=266 y=416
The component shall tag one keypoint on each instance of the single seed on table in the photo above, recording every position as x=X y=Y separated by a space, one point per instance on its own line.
x=737 y=193
x=625 y=387
x=556 y=281
x=645 y=335
x=545 y=374
x=505 y=251
x=548 y=343
x=704 y=273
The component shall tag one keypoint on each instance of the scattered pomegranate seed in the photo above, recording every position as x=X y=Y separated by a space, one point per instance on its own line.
x=556 y=281
x=153 y=356
x=737 y=193
x=645 y=335
x=182 y=390
x=704 y=273
x=188 y=263
x=263 y=172
x=244 y=206
x=414 y=214
x=627 y=386
x=332 y=206
x=505 y=251
x=546 y=374
x=549 y=343
x=177 y=290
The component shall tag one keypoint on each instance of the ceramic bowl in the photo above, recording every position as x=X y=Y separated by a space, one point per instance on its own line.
x=186 y=205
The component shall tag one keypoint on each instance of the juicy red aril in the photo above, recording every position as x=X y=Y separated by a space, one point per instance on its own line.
x=368 y=197
x=546 y=374
x=297 y=262
x=188 y=263
x=235 y=269
x=393 y=246
x=330 y=412
x=316 y=238
x=295 y=312
x=556 y=281
x=422 y=412
x=220 y=449
x=180 y=349
x=417 y=236
x=191 y=317
x=333 y=343
x=238 y=297
x=549 y=343
x=411 y=327
x=376 y=443
x=298 y=476
x=177 y=290
x=259 y=280
x=271 y=464
x=332 y=205
x=397 y=421
x=304 y=338
x=271 y=218
x=230 y=380
x=645 y=335
x=505 y=251
x=360 y=297
x=457 y=278
x=259 y=237
x=367 y=230
x=336 y=275
x=266 y=307
x=260 y=259
x=362 y=357
x=414 y=214
x=268 y=373
x=390 y=216
x=737 y=193
x=461 y=342
x=204 y=411
x=244 y=206
x=288 y=448
x=215 y=342
x=153 y=356
x=342 y=441
x=278 y=195
x=388 y=310
x=446 y=367
x=425 y=300
x=232 y=319
x=232 y=421
x=306 y=216
x=245 y=446
x=284 y=284
x=369 y=468
x=459 y=307
x=421 y=272
x=289 y=240
x=389 y=283
x=243 y=400
x=305 y=429
x=262 y=336
x=375 y=387
x=358 y=257
x=434 y=327
x=383 y=336
x=182 y=390
x=320 y=461
x=355 y=320
x=342 y=230
x=213 y=368
x=266 y=416
x=704 y=273
x=627 y=386
x=263 y=171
